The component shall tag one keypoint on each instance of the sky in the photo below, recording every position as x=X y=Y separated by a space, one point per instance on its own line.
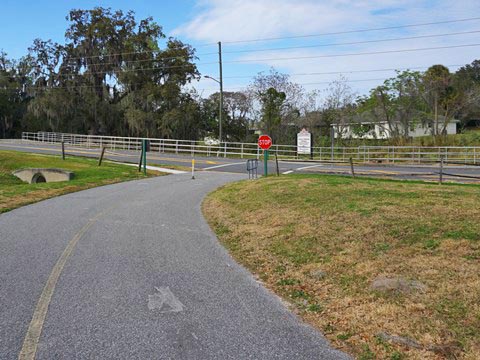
x=304 y=26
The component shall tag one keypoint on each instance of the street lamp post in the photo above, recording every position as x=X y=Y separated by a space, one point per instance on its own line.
x=220 y=106
x=220 y=82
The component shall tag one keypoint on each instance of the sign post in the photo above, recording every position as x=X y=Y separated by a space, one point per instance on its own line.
x=304 y=142
x=265 y=162
x=144 y=153
x=265 y=142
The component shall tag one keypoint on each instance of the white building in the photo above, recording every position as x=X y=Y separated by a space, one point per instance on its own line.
x=381 y=130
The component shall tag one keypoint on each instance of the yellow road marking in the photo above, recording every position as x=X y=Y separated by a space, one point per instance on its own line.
x=30 y=343
x=382 y=172
x=360 y=172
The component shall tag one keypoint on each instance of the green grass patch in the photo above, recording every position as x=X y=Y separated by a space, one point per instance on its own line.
x=15 y=193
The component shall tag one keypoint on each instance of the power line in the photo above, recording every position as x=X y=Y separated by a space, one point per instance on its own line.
x=282 y=59
x=353 y=31
x=68 y=87
x=352 y=43
x=133 y=70
x=141 y=60
x=308 y=83
x=144 y=52
x=134 y=62
x=235 y=88
x=343 y=72
x=352 y=54
x=292 y=37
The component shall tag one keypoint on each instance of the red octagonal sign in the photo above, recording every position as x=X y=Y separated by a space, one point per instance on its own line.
x=265 y=142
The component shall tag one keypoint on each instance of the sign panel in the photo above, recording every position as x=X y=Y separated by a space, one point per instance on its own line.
x=304 y=142
x=265 y=142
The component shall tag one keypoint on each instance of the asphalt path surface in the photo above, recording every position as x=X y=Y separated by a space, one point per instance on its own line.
x=426 y=172
x=132 y=271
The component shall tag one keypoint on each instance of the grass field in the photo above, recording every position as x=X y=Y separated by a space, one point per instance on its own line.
x=15 y=193
x=320 y=242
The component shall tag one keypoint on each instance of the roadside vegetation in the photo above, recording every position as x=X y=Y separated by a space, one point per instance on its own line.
x=67 y=86
x=385 y=269
x=15 y=193
x=466 y=138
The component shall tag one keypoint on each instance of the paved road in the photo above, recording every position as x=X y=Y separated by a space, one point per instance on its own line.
x=220 y=164
x=132 y=271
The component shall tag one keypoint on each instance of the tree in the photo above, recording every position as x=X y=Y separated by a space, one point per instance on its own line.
x=273 y=103
x=236 y=115
x=339 y=105
x=396 y=104
x=292 y=101
x=469 y=75
x=445 y=98
x=110 y=76
x=13 y=98
x=467 y=79
x=438 y=91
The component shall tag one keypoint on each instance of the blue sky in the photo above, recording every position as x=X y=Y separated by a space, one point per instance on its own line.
x=201 y=22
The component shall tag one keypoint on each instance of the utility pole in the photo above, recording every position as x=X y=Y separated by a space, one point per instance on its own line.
x=332 y=139
x=220 y=117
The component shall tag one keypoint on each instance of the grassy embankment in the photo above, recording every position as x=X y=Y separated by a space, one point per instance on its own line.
x=15 y=193
x=320 y=241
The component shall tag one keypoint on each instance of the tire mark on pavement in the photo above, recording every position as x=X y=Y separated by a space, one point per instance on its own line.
x=34 y=331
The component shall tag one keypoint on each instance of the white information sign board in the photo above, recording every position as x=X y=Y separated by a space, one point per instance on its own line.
x=304 y=142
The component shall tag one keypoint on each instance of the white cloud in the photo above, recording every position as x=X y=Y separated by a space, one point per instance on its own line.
x=231 y=20
x=234 y=20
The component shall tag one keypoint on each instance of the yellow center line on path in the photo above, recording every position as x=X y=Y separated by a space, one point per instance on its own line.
x=30 y=343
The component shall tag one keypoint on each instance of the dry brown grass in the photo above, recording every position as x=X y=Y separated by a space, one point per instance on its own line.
x=356 y=230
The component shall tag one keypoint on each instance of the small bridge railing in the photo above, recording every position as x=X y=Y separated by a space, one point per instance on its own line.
x=385 y=154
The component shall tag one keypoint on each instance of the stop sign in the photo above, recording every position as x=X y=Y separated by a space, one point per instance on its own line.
x=265 y=142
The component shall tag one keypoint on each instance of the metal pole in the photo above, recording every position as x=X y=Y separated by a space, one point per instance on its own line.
x=276 y=162
x=221 y=91
x=265 y=163
x=140 y=161
x=63 y=150
x=351 y=167
x=332 y=136
x=144 y=150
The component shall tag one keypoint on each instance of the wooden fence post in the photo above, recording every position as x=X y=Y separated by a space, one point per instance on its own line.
x=101 y=156
x=440 y=180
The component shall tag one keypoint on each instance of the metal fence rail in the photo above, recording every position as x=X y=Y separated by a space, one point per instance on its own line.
x=366 y=154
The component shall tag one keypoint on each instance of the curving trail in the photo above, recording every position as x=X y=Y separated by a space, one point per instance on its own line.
x=132 y=271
